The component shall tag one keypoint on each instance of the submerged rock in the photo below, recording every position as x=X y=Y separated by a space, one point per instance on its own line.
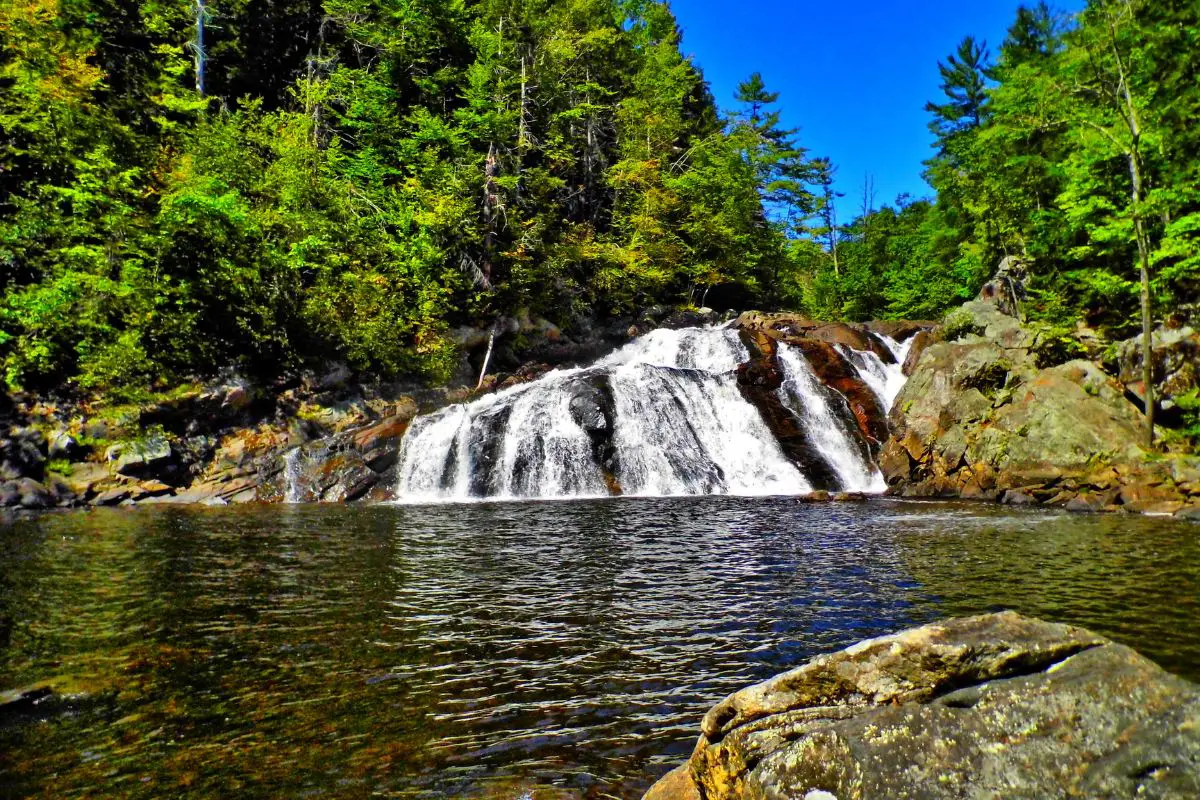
x=992 y=706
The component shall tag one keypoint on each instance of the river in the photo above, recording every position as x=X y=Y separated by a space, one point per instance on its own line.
x=558 y=649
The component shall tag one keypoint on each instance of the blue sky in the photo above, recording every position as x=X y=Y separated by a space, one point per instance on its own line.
x=853 y=75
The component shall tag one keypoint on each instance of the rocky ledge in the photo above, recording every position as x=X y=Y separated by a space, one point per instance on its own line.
x=999 y=409
x=991 y=706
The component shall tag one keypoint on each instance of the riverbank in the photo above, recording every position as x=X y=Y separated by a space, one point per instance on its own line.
x=994 y=409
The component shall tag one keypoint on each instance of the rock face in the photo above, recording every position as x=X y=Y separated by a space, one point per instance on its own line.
x=760 y=377
x=994 y=411
x=992 y=706
x=1175 y=365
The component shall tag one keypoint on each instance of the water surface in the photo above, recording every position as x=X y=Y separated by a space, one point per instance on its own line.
x=557 y=649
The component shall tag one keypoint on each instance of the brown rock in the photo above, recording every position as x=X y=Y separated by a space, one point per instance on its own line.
x=920 y=341
x=993 y=706
x=675 y=785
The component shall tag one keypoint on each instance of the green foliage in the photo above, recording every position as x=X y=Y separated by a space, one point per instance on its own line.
x=1189 y=406
x=959 y=323
x=364 y=177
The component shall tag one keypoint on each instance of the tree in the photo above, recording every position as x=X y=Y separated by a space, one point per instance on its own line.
x=965 y=76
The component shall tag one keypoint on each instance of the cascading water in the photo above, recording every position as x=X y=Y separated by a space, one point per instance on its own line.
x=813 y=403
x=885 y=380
x=662 y=416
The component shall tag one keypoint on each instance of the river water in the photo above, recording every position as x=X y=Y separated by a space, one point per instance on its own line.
x=503 y=650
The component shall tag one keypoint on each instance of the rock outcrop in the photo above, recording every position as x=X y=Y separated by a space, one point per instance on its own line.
x=993 y=706
x=1175 y=366
x=1001 y=410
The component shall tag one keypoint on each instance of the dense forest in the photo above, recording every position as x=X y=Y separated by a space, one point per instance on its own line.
x=186 y=188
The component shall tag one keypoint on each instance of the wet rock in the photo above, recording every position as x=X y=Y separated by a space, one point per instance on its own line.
x=26 y=493
x=759 y=379
x=832 y=368
x=993 y=706
x=152 y=457
x=1017 y=497
x=113 y=496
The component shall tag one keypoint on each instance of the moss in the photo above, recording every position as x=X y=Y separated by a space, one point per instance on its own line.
x=59 y=466
x=959 y=323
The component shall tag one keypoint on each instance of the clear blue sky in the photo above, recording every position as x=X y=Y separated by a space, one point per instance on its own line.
x=853 y=75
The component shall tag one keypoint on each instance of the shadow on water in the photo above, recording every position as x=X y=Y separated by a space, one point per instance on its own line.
x=499 y=649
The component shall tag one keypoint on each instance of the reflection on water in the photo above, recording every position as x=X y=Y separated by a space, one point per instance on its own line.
x=564 y=648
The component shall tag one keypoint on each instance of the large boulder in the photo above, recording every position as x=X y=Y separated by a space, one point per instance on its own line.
x=992 y=706
x=22 y=454
x=1175 y=366
x=1000 y=409
x=152 y=457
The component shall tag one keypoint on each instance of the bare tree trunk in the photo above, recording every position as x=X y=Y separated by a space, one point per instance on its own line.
x=491 y=201
x=487 y=357
x=1147 y=334
x=1132 y=121
x=198 y=46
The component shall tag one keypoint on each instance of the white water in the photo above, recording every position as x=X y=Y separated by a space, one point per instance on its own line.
x=680 y=426
x=885 y=380
x=810 y=400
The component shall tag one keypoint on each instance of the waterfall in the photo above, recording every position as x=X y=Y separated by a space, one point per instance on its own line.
x=292 y=492
x=885 y=380
x=813 y=402
x=663 y=415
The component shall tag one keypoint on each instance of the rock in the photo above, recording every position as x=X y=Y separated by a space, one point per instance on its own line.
x=113 y=496
x=675 y=785
x=832 y=368
x=899 y=329
x=1016 y=497
x=852 y=336
x=1175 y=367
x=1007 y=288
x=62 y=445
x=998 y=705
x=84 y=477
x=146 y=458
x=759 y=378
x=1189 y=513
x=22 y=454
x=335 y=376
x=920 y=341
x=10 y=494
x=1089 y=502
x=981 y=403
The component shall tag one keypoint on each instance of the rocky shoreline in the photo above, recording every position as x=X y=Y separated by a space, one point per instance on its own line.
x=998 y=705
x=995 y=409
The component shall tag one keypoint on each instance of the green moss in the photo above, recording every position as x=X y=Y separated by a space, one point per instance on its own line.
x=59 y=466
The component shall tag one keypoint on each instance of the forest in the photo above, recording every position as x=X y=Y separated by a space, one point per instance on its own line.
x=256 y=186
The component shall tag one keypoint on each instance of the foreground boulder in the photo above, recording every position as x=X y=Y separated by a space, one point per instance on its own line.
x=992 y=706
